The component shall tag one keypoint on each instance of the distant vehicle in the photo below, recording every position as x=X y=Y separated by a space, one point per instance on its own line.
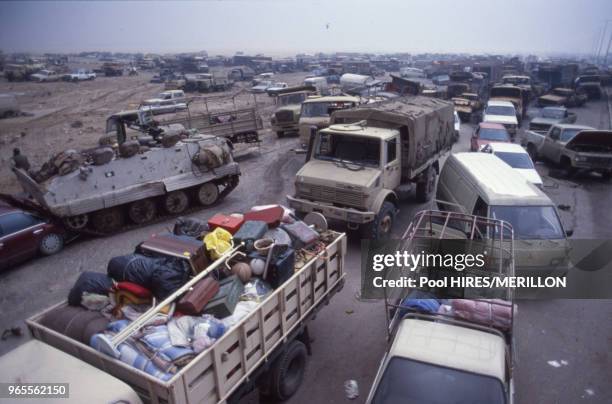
x=316 y=112
x=574 y=148
x=286 y=117
x=319 y=83
x=80 y=75
x=44 y=76
x=24 y=235
x=276 y=87
x=502 y=112
x=591 y=85
x=550 y=116
x=564 y=97
x=411 y=72
x=166 y=102
x=9 y=106
x=112 y=69
x=488 y=132
x=468 y=106
x=516 y=157
x=355 y=84
x=262 y=86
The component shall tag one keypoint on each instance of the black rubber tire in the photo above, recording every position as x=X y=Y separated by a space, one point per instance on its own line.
x=175 y=202
x=142 y=211
x=108 y=220
x=532 y=151
x=381 y=226
x=207 y=194
x=286 y=373
x=425 y=189
x=51 y=243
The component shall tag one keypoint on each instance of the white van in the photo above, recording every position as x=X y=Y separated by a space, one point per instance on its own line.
x=483 y=185
x=320 y=83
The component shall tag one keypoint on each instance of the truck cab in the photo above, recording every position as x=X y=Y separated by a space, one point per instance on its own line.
x=286 y=117
x=316 y=113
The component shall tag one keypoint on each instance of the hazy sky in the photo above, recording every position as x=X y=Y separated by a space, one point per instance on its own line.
x=290 y=26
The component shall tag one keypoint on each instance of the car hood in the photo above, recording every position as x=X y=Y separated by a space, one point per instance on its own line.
x=501 y=119
x=328 y=173
x=592 y=137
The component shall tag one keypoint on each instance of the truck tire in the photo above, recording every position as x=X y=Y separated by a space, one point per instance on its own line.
x=532 y=151
x=286 y=373
x=381 y=226
x=425 y=189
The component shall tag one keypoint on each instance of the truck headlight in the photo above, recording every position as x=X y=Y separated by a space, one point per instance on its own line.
x=579 y=158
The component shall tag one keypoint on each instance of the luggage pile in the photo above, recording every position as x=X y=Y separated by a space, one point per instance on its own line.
x=177 y=293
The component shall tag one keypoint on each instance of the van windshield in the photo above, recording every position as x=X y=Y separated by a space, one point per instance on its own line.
x=500 y=110
x=530 y=222
x=410 y=382
x=359 y=150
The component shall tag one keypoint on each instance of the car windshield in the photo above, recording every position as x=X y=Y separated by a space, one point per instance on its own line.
x=407 y=381
x=530 y=222
x=553 y=113
x=291 y=99
x=500 y=110
x=568 y=134
x=515 y=160
x=493 y=134
x=359 y=150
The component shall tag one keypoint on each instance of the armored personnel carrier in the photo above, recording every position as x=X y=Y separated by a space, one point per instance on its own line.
x=104 y=189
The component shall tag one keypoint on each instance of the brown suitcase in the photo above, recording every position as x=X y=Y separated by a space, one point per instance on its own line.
x=171 y=245
x=193 y=302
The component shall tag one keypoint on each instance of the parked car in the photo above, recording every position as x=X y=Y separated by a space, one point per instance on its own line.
x=262 y=86
x=516 y=157
x=502 y=112
x=45 y=76
x=166 y=102
x=486 y=133
x=564 y=97
x=24 y=235
x=550 y=116
x=80 y=75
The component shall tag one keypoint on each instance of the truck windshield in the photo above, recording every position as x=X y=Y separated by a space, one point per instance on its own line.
x=568 y=134
x=500 y=110
x=359 y=150
x=291 y=99
x=410 y=382
x=318 y=109
x=515 y=160
x=530 y=222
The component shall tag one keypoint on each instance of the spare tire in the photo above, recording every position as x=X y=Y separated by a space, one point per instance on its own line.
x=103 y=155
x=129 y=148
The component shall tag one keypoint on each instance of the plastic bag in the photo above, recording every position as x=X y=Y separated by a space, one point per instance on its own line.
x=217 y=242
x=255 y=291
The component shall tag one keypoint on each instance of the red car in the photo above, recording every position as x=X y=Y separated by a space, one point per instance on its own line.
x=23 y=235
x=488 y=132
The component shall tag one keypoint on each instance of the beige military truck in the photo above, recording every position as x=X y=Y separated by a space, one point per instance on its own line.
x=286 y=117
x=316 y=113
x=355 y=166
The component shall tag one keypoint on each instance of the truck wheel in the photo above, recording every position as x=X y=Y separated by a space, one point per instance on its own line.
x=287 y=372
x=208 y=193
x=142 y=211
x=280 y=134
x=382 y=225
x=532 y=151
x=51 y=243
x=108 y=220
x=175 y=202
x=425 y=189
x=77 y=222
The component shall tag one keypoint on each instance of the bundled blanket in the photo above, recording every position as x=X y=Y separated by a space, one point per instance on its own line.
x=155 y=343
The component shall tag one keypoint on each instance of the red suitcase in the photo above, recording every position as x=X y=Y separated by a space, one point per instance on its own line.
x=272 y=215
x=229 y=223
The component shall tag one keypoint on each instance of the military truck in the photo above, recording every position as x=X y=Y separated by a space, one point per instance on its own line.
x=355 y=167
x=316 y=113
x=206 y=82
x=96 y=190
x=112 y=69
x=286 y=117
x=468 y=106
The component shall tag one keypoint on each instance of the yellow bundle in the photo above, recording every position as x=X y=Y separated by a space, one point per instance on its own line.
x=217 y=242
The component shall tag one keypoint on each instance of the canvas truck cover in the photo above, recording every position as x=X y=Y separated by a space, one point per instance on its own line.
x=426 y=126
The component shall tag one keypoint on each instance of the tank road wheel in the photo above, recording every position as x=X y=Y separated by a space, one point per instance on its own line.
x=208 y=193
x=142 y=211
x=76 y=223
x=108 y=220
x=175 y=202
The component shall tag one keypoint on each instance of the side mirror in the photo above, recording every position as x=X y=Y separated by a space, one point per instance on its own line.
x=569 y=232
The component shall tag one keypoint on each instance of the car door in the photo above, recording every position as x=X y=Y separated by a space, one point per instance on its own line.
x=392 y=173
x=551 y=145
x=21 y=234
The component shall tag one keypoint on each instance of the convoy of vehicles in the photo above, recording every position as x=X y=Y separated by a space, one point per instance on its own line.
x=355 y=167
x=573 y=147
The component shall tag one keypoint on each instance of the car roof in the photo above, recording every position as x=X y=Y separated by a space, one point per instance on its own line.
x=451 y=346
x=491 y=125
x=497 y=182
x=499 y=103
x=570 y=126
x=506 y=147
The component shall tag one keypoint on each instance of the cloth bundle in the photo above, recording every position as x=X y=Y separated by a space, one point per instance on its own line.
x=492 y=312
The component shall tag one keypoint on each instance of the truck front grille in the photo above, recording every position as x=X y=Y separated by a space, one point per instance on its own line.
x=600 y=162
x=284 y=116
x=337 y=196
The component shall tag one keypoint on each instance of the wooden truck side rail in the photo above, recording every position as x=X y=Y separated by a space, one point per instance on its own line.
x=217 y=372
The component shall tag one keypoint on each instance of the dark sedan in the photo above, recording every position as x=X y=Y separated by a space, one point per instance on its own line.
x=24 y=235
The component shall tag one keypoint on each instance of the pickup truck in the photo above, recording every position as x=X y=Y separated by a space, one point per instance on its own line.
x=166 y=102
x=573 y=147
x=564 y=97
x=80 y=75
x=45 y=76
x=445 y=354
x=550 y=116
x=267 y=348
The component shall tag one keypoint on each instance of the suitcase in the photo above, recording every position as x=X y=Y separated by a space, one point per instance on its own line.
x=281 y=267
x=171 y=245
x=301 y=234
x=226 y=299
x=250 y=231
x=272 y=215
x=229 y=223
x=193 y=302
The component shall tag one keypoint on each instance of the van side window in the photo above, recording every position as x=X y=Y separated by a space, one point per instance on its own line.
x=391 y=150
